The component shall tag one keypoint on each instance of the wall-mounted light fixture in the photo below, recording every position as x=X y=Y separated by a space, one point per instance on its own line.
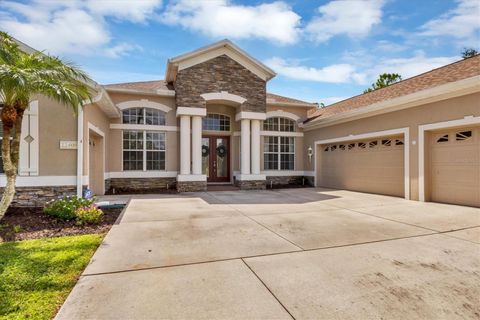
x=310 y=153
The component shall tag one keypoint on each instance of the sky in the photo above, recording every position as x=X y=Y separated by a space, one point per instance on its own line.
x=322 y=51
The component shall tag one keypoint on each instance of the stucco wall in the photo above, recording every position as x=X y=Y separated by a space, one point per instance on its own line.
x=114 y=145
x=56 y=122
x=220 y=74
x=450 y=109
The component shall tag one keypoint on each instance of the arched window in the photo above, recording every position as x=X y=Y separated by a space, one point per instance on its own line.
x=279 y=124
x=147 y=116
x=216 y=122
x=279 y=151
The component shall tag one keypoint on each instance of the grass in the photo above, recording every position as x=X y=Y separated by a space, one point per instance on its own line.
x=37 y=275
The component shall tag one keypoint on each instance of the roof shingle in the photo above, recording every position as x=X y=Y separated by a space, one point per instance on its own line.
x=456 y=71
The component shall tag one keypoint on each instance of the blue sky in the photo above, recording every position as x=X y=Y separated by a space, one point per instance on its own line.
x=323 y=51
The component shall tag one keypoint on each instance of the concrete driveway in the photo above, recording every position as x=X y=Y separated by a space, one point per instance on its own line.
x=293 y=253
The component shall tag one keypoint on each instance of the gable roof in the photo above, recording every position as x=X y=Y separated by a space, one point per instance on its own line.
x=156 y=87
x=275 y=99
x=224 y=47
x=450 y=73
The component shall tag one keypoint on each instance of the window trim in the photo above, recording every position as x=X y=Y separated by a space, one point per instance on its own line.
x=144 y=151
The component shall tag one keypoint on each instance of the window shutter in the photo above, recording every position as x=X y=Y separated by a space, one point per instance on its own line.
x=29 y=142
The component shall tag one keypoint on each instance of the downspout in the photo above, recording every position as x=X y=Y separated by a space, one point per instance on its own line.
x=80 y=151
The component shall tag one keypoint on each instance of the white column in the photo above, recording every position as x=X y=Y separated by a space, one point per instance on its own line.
x=245 y=147
x=197 y=145
x=184 y=144
x=255 y=146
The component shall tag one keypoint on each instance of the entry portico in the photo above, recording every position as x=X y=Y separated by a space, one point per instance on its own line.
x=221 y=75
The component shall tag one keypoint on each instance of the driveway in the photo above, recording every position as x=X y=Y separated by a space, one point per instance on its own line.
x=293 y=253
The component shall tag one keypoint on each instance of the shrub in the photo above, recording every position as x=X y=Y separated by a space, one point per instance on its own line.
x=65 y=208
x=89 y=215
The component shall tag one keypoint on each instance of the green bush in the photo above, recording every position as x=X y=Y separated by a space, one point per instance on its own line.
x=65 y=208
x=89 y=215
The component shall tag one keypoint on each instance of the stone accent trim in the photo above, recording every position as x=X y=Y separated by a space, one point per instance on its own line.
x=191 y=186
x=251 y=184
x=124 y=185
x=289 y=180
x=38 y=196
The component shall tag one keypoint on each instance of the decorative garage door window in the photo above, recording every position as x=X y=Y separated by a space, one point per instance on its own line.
x=143 y=116
x=384 y=143
x=143 y=150
x=216 y=122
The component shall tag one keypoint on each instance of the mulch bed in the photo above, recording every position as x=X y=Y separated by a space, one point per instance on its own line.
x=32 y=223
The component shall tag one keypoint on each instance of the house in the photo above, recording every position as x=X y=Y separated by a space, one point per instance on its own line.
x=211 y=120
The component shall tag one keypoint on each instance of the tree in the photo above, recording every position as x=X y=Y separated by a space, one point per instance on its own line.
x=23 y=75
x=469 y=52
x=384 y=80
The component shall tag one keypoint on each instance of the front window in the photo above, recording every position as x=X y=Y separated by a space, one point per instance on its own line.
x=143 y=116
x=143 y=150
x=279 y=153
x=216 y=122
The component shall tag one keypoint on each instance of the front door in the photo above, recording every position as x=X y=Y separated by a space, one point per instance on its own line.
x=216 y=158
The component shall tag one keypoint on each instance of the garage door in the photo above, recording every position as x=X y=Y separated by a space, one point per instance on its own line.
x=373 y=166
x=455 y=166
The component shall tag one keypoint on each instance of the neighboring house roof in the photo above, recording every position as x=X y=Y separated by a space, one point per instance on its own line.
x=161 y=86
x=223 y=47
x=450 y=73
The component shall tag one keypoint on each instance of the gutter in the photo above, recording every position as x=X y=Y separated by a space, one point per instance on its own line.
x=161 y=93
x=434 y=94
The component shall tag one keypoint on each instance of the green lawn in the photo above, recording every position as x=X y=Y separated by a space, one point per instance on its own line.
x=37 y=275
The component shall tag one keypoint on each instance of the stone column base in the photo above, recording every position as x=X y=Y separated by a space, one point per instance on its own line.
x=191 y=183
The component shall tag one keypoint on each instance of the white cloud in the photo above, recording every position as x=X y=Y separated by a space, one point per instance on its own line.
x=409 y=67
x=362 y=72
x=76 y=26
x=218 y=18
x=461 y=23
x=134 y=11
x=65 y=31
x=353 y=18
x=336 y=73
x=122 y=49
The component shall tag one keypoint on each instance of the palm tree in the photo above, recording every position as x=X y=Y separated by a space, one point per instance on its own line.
x=23 y=75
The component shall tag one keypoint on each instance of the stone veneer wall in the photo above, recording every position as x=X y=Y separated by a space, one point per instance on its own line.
x=289 y=180
x=251 y=184
x=220 y=74
x=124 y=185
x=191 y=186
x=38 y=196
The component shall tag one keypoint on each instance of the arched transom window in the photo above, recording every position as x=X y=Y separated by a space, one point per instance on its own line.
x=216 y=122
x=279 y=124
x=147 y=116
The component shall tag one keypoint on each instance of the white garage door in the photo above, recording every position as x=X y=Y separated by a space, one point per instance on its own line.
x=455 y=166
x=373 y=166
